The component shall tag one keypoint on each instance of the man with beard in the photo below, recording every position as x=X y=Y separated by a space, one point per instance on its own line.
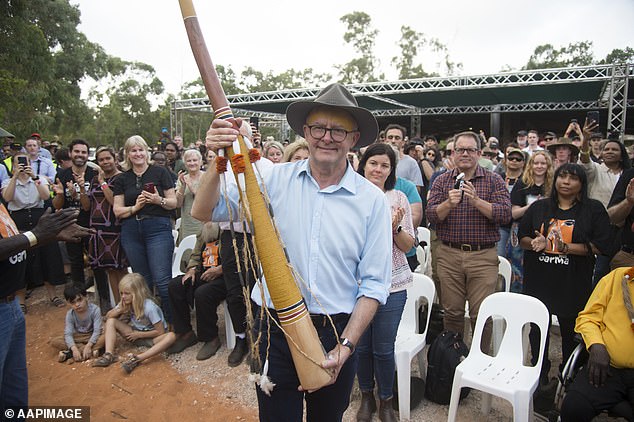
x=71 y=191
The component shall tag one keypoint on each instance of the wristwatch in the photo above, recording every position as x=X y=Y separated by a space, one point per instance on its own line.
x=347 y=343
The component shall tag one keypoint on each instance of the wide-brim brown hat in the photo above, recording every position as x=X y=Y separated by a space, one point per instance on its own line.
x=567 y=142
x=337 y=96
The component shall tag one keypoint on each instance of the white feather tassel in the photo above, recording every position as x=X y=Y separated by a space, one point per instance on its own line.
x=265 y=383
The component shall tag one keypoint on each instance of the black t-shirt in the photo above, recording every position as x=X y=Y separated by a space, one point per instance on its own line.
x=130 y=186
x=522 y=195
x=563 y=282
x=12 y=269
x=618 y=195
x=66 y=176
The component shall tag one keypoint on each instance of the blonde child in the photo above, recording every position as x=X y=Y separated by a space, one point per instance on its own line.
x=146 y=322
x=83 y=335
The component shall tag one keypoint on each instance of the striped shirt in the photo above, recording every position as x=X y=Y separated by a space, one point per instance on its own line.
x=465 y=224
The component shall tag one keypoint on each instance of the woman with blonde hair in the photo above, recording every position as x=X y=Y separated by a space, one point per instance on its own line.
x=296 y=151
x=535 y=183
x=143 y=198
x=186 y=189
x=146 y=324
x=274 y=151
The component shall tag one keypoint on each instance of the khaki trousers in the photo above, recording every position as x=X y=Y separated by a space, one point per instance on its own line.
x=466 y=276
x=80 y=341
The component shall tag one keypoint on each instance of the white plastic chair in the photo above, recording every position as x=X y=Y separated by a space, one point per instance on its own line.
x=175 y=236
x=504 y=269
x=423 y=254
x=177 y=224
x=188 y=243
x=505 y=374
x=408 y=342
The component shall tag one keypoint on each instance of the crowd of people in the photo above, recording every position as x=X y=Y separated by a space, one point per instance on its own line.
x=560 y=209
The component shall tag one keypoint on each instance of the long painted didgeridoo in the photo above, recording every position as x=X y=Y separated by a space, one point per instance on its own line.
x=306 y=349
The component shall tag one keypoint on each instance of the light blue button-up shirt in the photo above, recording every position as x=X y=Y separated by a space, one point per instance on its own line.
x=44 y=167
x=338 y=239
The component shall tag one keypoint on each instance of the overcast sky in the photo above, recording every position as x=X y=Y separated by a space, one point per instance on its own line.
x=277 y=35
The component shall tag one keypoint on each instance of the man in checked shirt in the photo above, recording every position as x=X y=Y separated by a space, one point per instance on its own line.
x=467 y=216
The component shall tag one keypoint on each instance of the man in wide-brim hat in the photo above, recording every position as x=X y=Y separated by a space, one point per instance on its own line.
x=564 y=151
x=337 y=230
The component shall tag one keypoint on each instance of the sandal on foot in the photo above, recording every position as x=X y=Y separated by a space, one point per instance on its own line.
x=64 y=355
x=106 y=360
x=57 y=301
x=129 y=365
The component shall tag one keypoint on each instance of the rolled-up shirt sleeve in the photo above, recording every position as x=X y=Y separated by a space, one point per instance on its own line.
x=375 y=266
x=500 y=200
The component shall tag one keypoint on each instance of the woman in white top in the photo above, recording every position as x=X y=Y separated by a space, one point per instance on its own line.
x=25 y=194
x=376 y=347
x=186 y=189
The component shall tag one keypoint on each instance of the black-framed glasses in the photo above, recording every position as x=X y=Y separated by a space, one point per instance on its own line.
x=461 y=151
x=337 y=134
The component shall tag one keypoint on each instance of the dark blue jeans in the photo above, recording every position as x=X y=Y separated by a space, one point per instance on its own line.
x=14 y=386
x=286 y=403
x=149 y=245
x=376 y=347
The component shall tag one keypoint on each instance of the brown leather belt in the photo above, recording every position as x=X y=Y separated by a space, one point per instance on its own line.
x=465 y=247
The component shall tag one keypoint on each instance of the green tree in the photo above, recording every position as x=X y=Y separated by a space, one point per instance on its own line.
x=359 y=33
x=44 y=57
x=256 y=81
x=411 y=44
x=127 y=103
x=546 y=56
x=618 y=56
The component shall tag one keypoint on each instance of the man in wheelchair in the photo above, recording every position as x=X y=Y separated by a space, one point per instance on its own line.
x=607 y=327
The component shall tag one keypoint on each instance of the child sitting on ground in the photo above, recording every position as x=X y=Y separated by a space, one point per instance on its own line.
x=146 y=322
x=83 y=336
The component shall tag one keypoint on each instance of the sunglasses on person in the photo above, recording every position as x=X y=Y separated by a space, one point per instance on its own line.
x=516 y=158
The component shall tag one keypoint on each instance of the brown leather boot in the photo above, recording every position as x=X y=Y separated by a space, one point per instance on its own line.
x=367 y=407
x=386 y=411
